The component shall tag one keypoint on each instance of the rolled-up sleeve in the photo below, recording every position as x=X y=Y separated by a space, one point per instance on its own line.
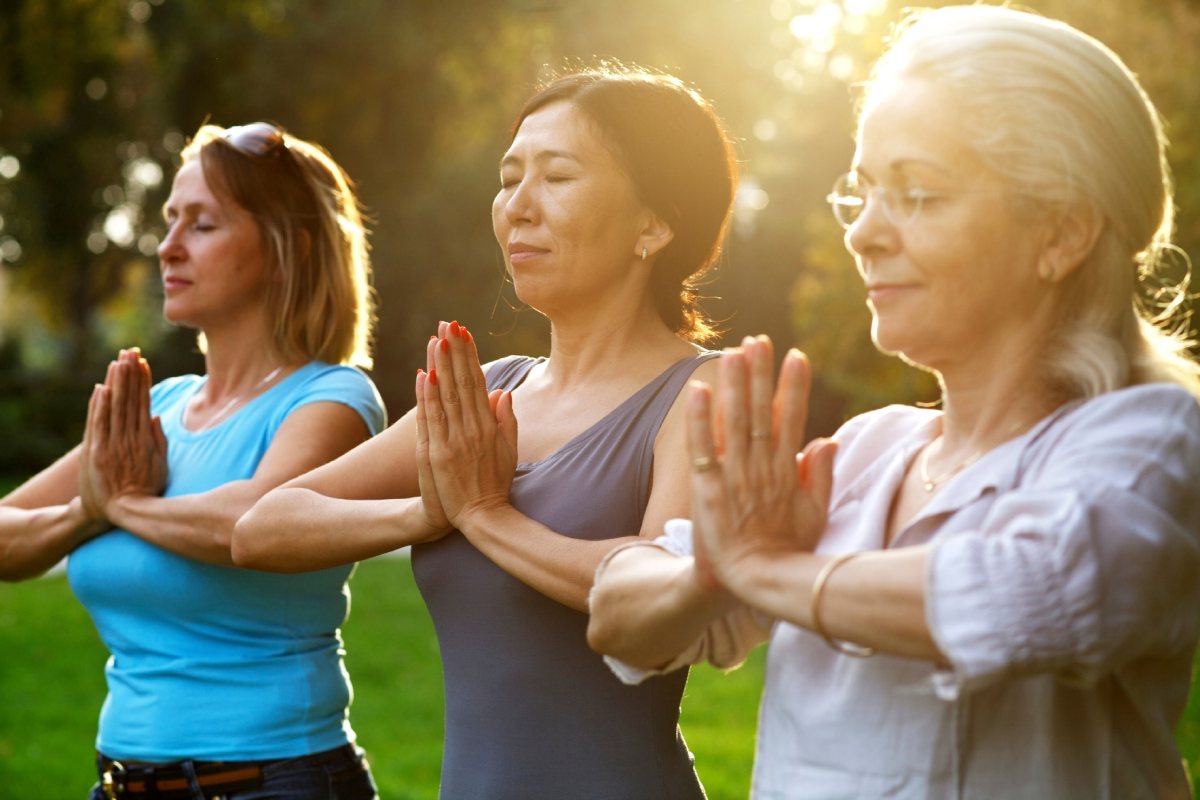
x=1091 y=562
x=726 y=641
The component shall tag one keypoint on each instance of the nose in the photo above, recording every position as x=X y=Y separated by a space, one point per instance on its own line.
x=171 y=247
x=872 y=231
x=521 y=205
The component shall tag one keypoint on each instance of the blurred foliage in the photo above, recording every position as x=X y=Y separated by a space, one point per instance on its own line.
x=415 y=99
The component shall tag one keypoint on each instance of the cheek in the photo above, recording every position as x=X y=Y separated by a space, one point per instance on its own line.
x=499 y=221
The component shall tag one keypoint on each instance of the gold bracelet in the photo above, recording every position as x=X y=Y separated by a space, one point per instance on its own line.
x=845 y=648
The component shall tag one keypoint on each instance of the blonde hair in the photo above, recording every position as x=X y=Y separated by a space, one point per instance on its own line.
x=1065 y=121
x=312 y=223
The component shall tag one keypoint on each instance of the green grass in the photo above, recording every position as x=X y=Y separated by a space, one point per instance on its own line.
x=52 y=684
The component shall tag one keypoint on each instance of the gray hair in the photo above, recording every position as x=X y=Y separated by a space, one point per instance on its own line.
x=1059 y=115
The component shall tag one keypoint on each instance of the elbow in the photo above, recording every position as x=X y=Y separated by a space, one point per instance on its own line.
x=247 y=542
x=253 y=542
x=603 y=635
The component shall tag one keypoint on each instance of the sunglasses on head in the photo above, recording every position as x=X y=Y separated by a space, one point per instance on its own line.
x=256 y=139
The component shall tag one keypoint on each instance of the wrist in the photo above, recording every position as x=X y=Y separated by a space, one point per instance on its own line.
x=416 y=523
x=478 y=518
x=745 y=574
x=85 y=522
x=116 y=508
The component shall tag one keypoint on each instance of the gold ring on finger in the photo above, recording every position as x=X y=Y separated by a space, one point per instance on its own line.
x=703 y=463
x=760 y=434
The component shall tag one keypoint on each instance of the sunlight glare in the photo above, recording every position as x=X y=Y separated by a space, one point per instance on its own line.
x=118 y=226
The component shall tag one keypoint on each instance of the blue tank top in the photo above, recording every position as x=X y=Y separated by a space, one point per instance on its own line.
x=531 y=712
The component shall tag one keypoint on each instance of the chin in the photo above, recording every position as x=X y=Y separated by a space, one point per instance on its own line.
x=889 y=339
x=178 y=317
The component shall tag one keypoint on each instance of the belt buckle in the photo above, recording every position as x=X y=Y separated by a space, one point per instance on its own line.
x=111 y=782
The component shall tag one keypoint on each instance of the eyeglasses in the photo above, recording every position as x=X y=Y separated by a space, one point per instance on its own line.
x=849 y=199
x=257 y=139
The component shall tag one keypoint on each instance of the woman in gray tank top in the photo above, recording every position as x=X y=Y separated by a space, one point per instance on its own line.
x=615 y=196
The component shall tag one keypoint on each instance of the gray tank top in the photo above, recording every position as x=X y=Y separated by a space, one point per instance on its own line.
x=531 y=712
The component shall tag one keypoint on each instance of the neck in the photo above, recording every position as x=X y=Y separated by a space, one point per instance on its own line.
x=986 y=407
x=618 y=341
x=236 y=363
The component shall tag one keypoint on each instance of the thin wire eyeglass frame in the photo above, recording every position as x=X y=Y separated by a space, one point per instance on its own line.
x=848 y=200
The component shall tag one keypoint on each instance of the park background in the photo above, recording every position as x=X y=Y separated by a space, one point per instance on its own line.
x=414 y=98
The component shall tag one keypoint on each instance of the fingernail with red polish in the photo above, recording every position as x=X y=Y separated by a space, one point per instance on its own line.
x=433 y=376
x=454 y=328
x=445 y=345
x=467 y=334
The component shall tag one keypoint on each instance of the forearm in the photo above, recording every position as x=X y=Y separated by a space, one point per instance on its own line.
x=294 y=529
x=647 y=607
x=558 y=566
x=33 y=540
x=197 y=526
x=877 y=599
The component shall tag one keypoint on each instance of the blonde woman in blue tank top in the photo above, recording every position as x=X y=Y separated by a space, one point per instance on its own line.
x=615 y=193
x=222 y=681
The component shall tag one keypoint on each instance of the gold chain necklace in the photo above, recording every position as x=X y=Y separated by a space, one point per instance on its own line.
x=228 y=407
x=932 y=482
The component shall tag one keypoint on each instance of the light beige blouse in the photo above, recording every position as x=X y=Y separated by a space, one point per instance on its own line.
x=1063 y=585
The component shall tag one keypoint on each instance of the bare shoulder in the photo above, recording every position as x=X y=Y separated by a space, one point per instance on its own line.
x=673 y=426
x=707 y=371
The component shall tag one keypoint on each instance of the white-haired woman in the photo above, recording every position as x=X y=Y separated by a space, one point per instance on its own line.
x=998 y=599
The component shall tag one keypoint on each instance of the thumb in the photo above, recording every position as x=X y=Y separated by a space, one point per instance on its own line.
x=506 y=419
x=814 y=469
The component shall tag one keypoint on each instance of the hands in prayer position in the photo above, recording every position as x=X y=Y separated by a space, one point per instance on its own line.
x=466 y=436
x=757 y=492
x=124 y=450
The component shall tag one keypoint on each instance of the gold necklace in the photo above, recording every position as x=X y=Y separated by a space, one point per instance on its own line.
x=228 y=407
x=932 y=482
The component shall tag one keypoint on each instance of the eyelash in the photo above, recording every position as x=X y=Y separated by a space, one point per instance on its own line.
x=510 y=183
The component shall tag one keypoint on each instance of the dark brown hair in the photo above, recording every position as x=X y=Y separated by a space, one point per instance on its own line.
x=682 y=165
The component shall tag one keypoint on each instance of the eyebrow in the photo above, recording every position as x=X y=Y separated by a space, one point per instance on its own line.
x=541 y=155
x=192 y=206
x=901 y=163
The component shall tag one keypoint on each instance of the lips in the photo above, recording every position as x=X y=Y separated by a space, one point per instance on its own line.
x=520 y=251
x=879 y=291
x=173 y=284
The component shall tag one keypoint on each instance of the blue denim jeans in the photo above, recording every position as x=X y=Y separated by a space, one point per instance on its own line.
x=341 y=774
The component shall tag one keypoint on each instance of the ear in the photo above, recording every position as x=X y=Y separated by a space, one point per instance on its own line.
x=655 y=235
x=1070 y=240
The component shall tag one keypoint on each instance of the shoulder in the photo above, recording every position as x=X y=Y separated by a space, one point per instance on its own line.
x=1163 y=402
x=506 y=363
x=704 y=367
x=500 y=373
x=319 y=373
x=318 y=381
x=1148 y=427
